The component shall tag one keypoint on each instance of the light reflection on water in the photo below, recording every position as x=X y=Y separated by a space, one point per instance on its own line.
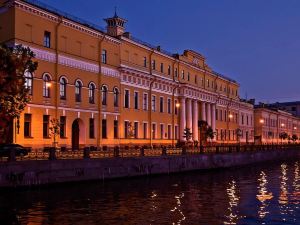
x=260 y=194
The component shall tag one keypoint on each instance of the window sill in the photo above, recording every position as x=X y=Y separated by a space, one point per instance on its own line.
x=47 y=137
x=28 y=137
x=63 y=137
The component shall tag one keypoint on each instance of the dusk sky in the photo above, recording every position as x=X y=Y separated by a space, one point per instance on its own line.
x=254 y=42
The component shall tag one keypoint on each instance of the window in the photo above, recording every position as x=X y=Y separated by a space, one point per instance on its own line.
x=182 y=74
x=126 y=123
x=27 y=125
x=188 y=76
x=153 y=130
x=45 y=126
x=169 y=131
x=92 y=128
x=136 y=100
x=28 y=81
x=169 y=105
x=126 y=99
x=176 y=72
x=153 y=64
x=104 y=95
x=116 y=97
x=46 y=85
x=104 y=56
x=169 y=70
x=47 y=36
x=62 y=88
x=162 y=130
x=195 y=79
x=145 y=61
x=176 y=132
x=78 y=88
x=145 y=126
x=161 y=104
x=104 y=128
x=116 y=129
x=62 y=128
x=176 y=108
x=136 y=130
x=153 y=103
x=145 y=101
x=217 y=114
x=92 y=93
x=161 y=67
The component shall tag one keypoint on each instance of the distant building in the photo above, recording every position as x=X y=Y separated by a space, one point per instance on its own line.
x=291 y=107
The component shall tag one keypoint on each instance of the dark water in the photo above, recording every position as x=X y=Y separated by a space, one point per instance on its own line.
x=260 y=194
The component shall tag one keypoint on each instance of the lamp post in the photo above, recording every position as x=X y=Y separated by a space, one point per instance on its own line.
x=261 y=121
x=230 y=116
x=175 y=107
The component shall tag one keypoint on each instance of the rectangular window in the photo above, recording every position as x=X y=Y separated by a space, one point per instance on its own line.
x=126 y=123
x=145 y=130
x=27 y=125
x=225 y=115
x=176 y=108
x=153 y=130
x=153 y=103
x=92 y=128
x=169 y=70
x=104 y=128
x=104 y=56
x=136 y=130
x=62 y=127
x=162 y=131
x=188 y=76
x=182 y=74
x=126 y=99
x=47 y=39
x=145 y=61
x=161 y=67
x=116 y=129
x=145 y=101
x=169 y=131
x=136 y=100
x=161 y=104
x=176 y=132
x=221 y=115
x=176 y=72
x=46 y=126
x=169 y=105
x=153 y=64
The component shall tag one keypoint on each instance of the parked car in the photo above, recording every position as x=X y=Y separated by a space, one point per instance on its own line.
x=6 y=148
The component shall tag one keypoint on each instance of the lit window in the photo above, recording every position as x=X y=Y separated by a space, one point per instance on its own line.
x=78 y=89
x=28 y=81
x=104 y=56
x=47 y=37
x=92 y=93
x=116 y=97
x=62 y=88
x=104 y=95
x=46 y=85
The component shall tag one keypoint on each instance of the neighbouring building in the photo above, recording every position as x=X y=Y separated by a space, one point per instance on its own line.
x=108 y=88
x=291 y=107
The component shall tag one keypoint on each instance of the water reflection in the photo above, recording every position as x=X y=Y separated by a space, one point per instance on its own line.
x=177 y=209
x=263 y=195
x=233 y=203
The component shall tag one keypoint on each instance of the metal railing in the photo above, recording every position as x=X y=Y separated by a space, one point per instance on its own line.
x=49 y=153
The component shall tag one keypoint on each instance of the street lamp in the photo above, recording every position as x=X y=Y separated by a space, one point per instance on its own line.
x=261 y=121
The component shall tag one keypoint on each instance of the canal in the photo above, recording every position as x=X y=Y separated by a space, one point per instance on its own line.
x=258 y=194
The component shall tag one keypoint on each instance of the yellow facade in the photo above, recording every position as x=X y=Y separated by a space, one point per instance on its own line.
x=115 y=62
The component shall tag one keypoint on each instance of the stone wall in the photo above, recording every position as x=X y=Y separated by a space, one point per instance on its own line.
x=28 y=173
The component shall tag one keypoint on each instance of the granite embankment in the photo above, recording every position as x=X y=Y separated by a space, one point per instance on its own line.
x=43 y=172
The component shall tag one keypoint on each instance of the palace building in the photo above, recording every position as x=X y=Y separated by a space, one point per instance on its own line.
x=108 y=88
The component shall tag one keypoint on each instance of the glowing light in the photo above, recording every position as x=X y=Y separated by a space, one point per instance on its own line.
x=261 y=121
x=48 y=84
x=177 y=105
x=282 y=125
x=230 y=116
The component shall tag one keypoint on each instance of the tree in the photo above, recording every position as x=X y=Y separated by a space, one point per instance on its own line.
x=14 y=95
x=210 y=134
x=283 y=136
x=203 y=127
x=54 y=129
x=238 y=134
x=187 y=134
x=294 y=138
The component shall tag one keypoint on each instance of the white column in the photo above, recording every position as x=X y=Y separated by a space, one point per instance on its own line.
x=213 y=118
x=203 y=111
x=182 y=119
x=208 y=114
x=189 y=114
x=195 y=120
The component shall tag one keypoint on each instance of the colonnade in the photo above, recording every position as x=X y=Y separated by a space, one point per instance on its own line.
x=190 y=114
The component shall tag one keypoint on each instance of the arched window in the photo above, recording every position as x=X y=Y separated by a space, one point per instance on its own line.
x=116 y=97
x=46 y=85
x=92 y=93
x=63 y=88
x=104 y=95
x=28 y=81
x=78 y=87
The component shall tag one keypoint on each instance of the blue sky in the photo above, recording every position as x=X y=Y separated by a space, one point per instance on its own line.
x=255 y=42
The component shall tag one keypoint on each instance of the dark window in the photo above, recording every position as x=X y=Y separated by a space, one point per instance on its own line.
x=136 y=130
x=62 y=128
x=136 y=100
x=126 y=123
x=27 y=125
x=45 y=126
x=195 y=79
x=145 y=101
x=92 y=93
x=169 y=105
x=217 y=116
x=169 y=131
x=47 y=39
x=153 y=105
x=126 y=99
x=92 y=128
x=162 y=67
x=182 y=74
x=28 y=82
x=153 y=130
x=104 y=56
x=176 y=108
x=116 y=129
x=116 y=97
x=145 y=61
x=145 y=130
x=162 y=131
x=188 y=76
x=169 y=70
x=46 y=86
x=176 y=72
x=161 y=104
x=78 y=87
x=104 y=95
x=62 y=88
x=104 y=128
x=153 y=64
